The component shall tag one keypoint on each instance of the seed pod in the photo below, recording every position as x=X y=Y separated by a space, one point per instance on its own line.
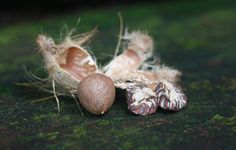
x=141 y=100
x=67 y=62
x=96 y=93
x=170 y=96
x=139 y=48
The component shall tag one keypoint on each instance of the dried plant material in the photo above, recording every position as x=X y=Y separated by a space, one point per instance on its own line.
x=124 y=79
x=162 y=72
x=147 y=84
x=129 y=71
x=141 y=99
x=140 y=42
x=139 y=48
x=151 y=78
x=170 y=96
x=67 y=63
x=96 y=93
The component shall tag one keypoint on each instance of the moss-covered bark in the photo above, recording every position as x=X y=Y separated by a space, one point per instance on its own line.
x=199 y=38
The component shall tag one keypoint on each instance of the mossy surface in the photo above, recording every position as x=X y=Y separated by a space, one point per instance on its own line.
x=198 y=38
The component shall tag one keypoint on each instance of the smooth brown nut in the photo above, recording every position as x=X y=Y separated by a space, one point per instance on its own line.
x=96 y=93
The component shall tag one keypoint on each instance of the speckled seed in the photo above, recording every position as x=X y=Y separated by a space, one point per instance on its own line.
x=170 y=96
x=96 y=93
x=141 y=100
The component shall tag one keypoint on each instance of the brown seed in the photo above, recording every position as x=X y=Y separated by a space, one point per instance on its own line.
x=96 y=93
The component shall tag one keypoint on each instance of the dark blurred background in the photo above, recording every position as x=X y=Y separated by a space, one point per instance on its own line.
x=19 y=11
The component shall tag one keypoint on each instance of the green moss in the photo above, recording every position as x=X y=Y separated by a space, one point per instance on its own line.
x=232 y=84
x=66 y=118
x=49 y=136
x=147 y=147
x=203 y=84
x=126 y=132
x=5 y=67
x=79 y=131
x=218 y=122
x=38 y=118
x=4 y=40
x=103 y=122
x=14 y=123
x=188 y=36
x=223 y=15
x=217 y=118
x=127 y=145
x=53 y=135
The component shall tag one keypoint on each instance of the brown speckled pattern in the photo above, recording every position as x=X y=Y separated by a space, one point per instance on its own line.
x=170 y=97
x=145 y=105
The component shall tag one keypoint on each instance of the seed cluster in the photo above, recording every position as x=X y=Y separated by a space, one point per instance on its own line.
x=148 y=84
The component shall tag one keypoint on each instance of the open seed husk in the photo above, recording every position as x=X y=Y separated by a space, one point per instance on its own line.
x=67 y=62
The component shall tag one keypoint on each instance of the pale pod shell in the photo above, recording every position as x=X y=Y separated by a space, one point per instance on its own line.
x=96 y=93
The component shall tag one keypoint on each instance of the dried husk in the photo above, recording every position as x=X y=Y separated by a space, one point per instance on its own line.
x=139 y=49
x=146 y=87
x=128 y=71
x=67 y=62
